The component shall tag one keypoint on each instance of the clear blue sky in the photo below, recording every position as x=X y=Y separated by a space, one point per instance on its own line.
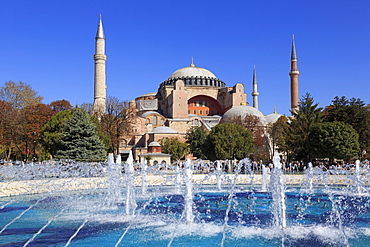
x=50 y=45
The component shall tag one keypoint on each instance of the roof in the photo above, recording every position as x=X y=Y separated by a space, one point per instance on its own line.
x=192 y=71
x=164 y=130
x=154 y=144
x=145 y=114
x=148 y=94
x=272 y=118
x=155 y=154
x=243 y=111
x=100 y=32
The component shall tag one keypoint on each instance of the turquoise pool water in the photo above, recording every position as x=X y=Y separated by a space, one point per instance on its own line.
x=92 y=218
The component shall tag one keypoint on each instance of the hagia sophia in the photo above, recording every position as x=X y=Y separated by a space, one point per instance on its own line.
x=190 y=96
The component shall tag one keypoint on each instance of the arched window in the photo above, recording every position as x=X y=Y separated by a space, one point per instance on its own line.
x=148 y=121
x=122 y=143
x=155 y=120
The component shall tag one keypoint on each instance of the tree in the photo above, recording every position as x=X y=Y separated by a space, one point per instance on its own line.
x=277 y=136
x=98 y=128
x=195 y=138
x=9 y=118
x=88 y=107
x=19 y=95
x=33 y=118
x=118 y=121
x=20 y=128
x=334 y=140
x=53 y=131
x=80 y=141
x=175 y=147
x=353 y=112
x=227 y=140
x=60 y=105
x=300 y=126
x=254 y=125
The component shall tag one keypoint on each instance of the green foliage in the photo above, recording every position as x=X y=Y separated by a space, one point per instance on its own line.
x=98 y=128
x=297 y=143
x=334 y=140
x=195 y=138
x=277 y=135
x=175 y=147
x=353 y=112
x=80 y=140
x=226 y=138
x=53 y=131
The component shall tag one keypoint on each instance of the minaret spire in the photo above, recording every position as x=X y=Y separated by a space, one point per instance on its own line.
x=294 y=73
x=100 y=32
x=99 y=107
x=255 y=92
x=294 y=53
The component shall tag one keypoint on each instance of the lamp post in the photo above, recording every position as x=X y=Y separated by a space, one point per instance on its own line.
x=34 y=134
x=231 y=147
x=230 y=166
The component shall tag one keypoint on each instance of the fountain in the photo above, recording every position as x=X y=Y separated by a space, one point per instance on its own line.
x=218 y=173
x=66 y=203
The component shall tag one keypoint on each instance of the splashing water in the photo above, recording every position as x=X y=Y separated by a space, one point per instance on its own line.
x=100 y=204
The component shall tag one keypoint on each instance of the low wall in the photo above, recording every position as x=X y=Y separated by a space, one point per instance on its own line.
x=47 y=185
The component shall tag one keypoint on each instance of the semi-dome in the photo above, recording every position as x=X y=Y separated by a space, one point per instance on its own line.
x=272 y=118
x=164 y=129
x=194 y=76
x=145 y=114
x=243 y=111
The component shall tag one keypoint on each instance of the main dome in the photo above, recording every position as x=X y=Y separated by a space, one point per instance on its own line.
x=192 y=71
x=195 y=77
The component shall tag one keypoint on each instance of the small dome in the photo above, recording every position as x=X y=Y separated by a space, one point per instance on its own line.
x=145 y=114
x=148 y=94
x=243 y=111
x=164 y=129
x=272 y=118
x=192 y=71
x=154 y=144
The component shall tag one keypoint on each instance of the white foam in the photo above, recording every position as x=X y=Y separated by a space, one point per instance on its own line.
x=327 y=234
x=365 y=231
x=193 y=229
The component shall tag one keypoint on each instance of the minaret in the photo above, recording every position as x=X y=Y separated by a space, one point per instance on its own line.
x=99 y=74
x=255 y=93
x=294 y=73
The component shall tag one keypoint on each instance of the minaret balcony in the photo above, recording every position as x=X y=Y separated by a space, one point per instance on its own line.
x=100 y=57
x=294 y=72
